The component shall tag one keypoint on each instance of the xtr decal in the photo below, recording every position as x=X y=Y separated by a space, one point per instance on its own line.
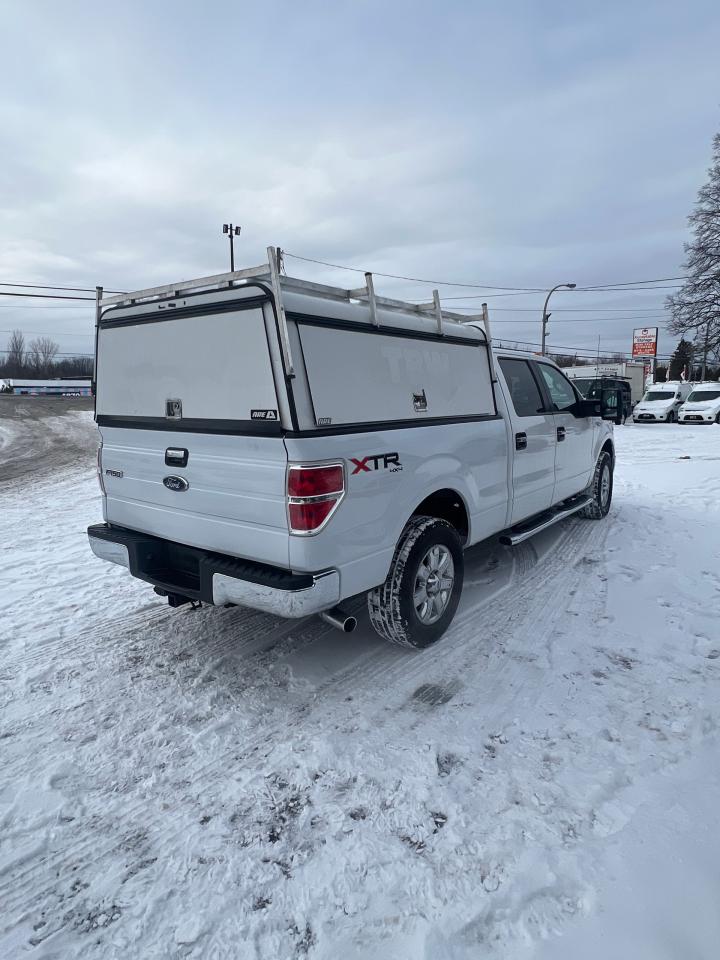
x=377 y=461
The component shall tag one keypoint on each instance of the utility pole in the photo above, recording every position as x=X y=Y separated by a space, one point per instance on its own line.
x=546 y=315
x=231 y=232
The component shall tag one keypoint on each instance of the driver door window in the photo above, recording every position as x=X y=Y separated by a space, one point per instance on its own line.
x=573 y=449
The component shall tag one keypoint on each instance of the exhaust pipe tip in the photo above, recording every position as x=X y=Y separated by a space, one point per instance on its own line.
x=339 y=619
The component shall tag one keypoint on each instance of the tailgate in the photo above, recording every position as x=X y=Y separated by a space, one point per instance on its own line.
x=191 y=422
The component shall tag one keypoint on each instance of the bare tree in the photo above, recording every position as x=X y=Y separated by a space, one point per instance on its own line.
x=41 y=355
x=696 y=307
x=564 y=359
x=15 y=353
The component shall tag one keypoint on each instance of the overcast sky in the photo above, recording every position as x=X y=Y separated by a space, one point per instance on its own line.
x=514 y=144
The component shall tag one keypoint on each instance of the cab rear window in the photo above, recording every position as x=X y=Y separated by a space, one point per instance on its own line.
x=524 y=391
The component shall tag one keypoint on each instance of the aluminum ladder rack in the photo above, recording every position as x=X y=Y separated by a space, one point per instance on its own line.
x=271 y=271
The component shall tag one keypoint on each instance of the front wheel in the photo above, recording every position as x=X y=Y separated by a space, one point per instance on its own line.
x=671 y=417
x=417 y=602
x=600 y=489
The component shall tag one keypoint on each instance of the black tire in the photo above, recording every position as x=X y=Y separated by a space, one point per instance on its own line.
x=671 y=417
x=600 y=489
x=717 y=419
x=391 y=606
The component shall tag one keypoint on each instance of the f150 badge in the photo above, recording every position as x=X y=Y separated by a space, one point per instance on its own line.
x=377 y=461
x=178 y=484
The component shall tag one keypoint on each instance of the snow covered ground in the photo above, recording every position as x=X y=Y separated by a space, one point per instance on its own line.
x=219 y=783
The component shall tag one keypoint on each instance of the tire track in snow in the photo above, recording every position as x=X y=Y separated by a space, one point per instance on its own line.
x=458 y=649
x=397 y=668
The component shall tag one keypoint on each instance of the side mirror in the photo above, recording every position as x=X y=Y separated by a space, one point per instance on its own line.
x=611 y=404
x=587 y=408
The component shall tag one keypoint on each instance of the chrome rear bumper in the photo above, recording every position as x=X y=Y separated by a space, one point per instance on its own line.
x=322 y=594
x=188 y=573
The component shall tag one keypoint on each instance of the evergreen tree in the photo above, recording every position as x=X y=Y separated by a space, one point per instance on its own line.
x=680 y=360
x=695 y=308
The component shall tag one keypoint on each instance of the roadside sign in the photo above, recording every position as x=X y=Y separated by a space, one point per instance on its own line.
x=644 y=343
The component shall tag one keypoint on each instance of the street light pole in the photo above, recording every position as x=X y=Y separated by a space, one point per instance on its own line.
x=546 y=315
x=232 y=232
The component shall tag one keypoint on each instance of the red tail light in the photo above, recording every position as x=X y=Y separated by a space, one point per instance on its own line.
x=313 y=494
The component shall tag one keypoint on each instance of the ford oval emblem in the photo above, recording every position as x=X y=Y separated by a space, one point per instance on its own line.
x=179 y=484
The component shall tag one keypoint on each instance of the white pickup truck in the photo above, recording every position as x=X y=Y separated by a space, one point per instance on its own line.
x=284 y=445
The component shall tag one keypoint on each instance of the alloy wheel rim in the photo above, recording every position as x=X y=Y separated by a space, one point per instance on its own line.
x=434 y=583
x=604 y=487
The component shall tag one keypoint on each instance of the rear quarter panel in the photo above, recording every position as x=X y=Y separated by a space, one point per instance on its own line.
x=468 y=457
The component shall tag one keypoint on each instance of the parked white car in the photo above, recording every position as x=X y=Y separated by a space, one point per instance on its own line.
x=703 y=404
x=662 y=402
x=286 y=446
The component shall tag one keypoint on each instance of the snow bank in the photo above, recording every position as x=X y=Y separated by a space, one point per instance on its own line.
x=222 y=783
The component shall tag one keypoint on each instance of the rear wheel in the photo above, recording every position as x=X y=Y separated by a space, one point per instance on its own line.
x=418 y=600
x=600 y=489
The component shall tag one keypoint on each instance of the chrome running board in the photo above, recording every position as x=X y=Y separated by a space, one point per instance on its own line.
x=528 y=528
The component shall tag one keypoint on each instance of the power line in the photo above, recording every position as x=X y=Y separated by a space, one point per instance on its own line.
x=618 y=289
x=55 y=333
x=529 y=293
x=595 y=310
x=577 y=351
x=40 y=306
x=44 y=296
x=575 y=319
x=40 y=286
x=482 y=296
x=633 y=283
x=397 y=276
x=73 y=356
x=483 y=286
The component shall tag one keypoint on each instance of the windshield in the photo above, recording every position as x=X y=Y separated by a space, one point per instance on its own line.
x=697 y=396
x=658 y=395
x=585 y=386
x=592 y=388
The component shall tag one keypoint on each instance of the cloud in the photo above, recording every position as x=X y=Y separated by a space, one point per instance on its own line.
x=470 y=142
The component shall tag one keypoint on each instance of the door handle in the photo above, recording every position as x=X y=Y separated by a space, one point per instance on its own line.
x=520 y=441
x=560 y=433
x=176 y=457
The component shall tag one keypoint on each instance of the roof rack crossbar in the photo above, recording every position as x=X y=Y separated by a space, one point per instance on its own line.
x=270 y=271
x=174 y=289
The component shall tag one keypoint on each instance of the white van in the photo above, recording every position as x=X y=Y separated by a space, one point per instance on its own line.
x=662 y=402
x=285 y=445
x=703 y=404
